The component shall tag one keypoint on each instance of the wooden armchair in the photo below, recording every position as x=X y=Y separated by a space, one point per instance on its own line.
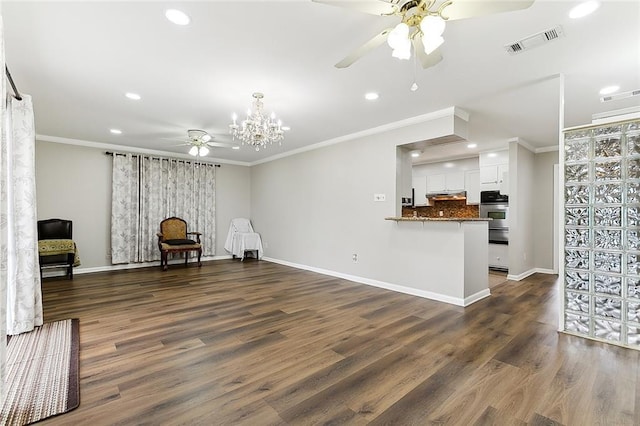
x=172 y=238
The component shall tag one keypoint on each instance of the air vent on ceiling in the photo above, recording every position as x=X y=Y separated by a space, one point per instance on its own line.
x=619 y=96
x=535 y=40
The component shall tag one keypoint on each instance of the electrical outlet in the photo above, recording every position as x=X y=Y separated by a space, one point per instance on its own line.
x=265 y=244
x=379 y=197
x=354 y=257
x=441 y=213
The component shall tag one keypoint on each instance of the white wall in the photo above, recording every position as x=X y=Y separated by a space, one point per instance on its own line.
x=74 y=182
x=543 y=202
x=522 y=209
x=316 y=209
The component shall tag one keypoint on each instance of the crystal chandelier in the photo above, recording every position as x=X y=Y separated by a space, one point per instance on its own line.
x=257 y=129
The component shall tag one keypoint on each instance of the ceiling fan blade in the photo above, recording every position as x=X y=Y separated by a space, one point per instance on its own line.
x=462 y=9
x=429 y=60
x=373 y=7
x=222 y=144
x=376 y=41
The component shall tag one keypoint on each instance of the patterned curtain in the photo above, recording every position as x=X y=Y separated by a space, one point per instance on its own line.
x=167 y=187
x=19 y=218
x=3 y=260
x=125 y=209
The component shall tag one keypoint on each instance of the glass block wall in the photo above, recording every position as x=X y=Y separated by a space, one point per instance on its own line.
x=602 y=232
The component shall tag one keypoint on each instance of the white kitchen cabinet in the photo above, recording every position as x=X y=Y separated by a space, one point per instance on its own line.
x=499 y=256
x=454 y=181
x=489 y=174
x=445 y=182
x=472 y=186
x=436 y=183
x=419 y=190
x=493 y=177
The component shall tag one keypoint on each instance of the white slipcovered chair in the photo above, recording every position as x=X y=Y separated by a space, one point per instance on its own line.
x=242 y=238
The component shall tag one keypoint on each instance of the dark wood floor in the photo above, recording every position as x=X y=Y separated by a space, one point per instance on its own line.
x=258 y=343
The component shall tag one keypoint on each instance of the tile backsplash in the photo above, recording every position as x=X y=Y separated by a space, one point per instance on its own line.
x=458 y=208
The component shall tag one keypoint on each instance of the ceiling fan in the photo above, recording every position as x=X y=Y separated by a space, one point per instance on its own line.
x=422 y=23
x=200 y=141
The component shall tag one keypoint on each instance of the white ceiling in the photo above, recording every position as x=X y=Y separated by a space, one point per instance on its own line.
x=77 y=59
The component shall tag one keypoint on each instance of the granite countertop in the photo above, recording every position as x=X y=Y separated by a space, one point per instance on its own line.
x=438 y=219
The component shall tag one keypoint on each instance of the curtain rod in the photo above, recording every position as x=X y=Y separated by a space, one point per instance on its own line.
x=13 y=85
x=110 y=153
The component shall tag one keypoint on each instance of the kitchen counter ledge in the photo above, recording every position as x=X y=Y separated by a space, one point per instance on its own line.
x=439 y=219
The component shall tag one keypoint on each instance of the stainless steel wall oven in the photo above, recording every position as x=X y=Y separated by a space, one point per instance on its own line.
x=495 y=206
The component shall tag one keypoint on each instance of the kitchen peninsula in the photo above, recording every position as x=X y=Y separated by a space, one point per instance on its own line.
x=449 y=254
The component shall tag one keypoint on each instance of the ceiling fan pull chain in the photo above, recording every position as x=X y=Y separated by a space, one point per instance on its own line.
x=414 y=86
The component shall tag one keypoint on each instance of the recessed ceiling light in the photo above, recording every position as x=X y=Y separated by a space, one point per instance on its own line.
x=235 y=147
x=116 y=131
x=133 y=96
x=609 y=90
x=583 y=9
x=472 y=145
x=178 y=17
x=286 y=128
x=415 y=154
x=371 y=96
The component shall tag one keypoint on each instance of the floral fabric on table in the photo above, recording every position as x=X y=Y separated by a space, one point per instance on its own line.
x=55 y=247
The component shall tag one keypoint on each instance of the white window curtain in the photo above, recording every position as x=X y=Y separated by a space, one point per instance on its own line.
x=19 y=218
x=147 y=190
x=3 y=260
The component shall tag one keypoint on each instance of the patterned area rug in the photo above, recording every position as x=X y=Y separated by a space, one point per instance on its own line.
x=42 y=373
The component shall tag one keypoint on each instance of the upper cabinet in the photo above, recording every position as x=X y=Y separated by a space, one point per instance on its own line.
x=472 y=186
x=447 y=176
x=436 y=183
x=445 y=182
x=494 y=171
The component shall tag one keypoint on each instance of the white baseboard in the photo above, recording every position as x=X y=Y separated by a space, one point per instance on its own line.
x=108 y=268
x=530 y=272
x=388 y=286
x=545 y=271
x=475 y=297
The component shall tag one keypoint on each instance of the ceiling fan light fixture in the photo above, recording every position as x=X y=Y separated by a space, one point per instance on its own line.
x=432 y=25
x=202 y=151
x=399 y=36
x=431 y=43
x=402 y=53
x=194 y=151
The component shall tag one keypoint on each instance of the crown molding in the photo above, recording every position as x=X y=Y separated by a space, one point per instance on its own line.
x=446 y=112
x=134 y=150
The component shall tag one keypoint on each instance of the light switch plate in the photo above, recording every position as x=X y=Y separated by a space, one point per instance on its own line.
x=379 y=197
